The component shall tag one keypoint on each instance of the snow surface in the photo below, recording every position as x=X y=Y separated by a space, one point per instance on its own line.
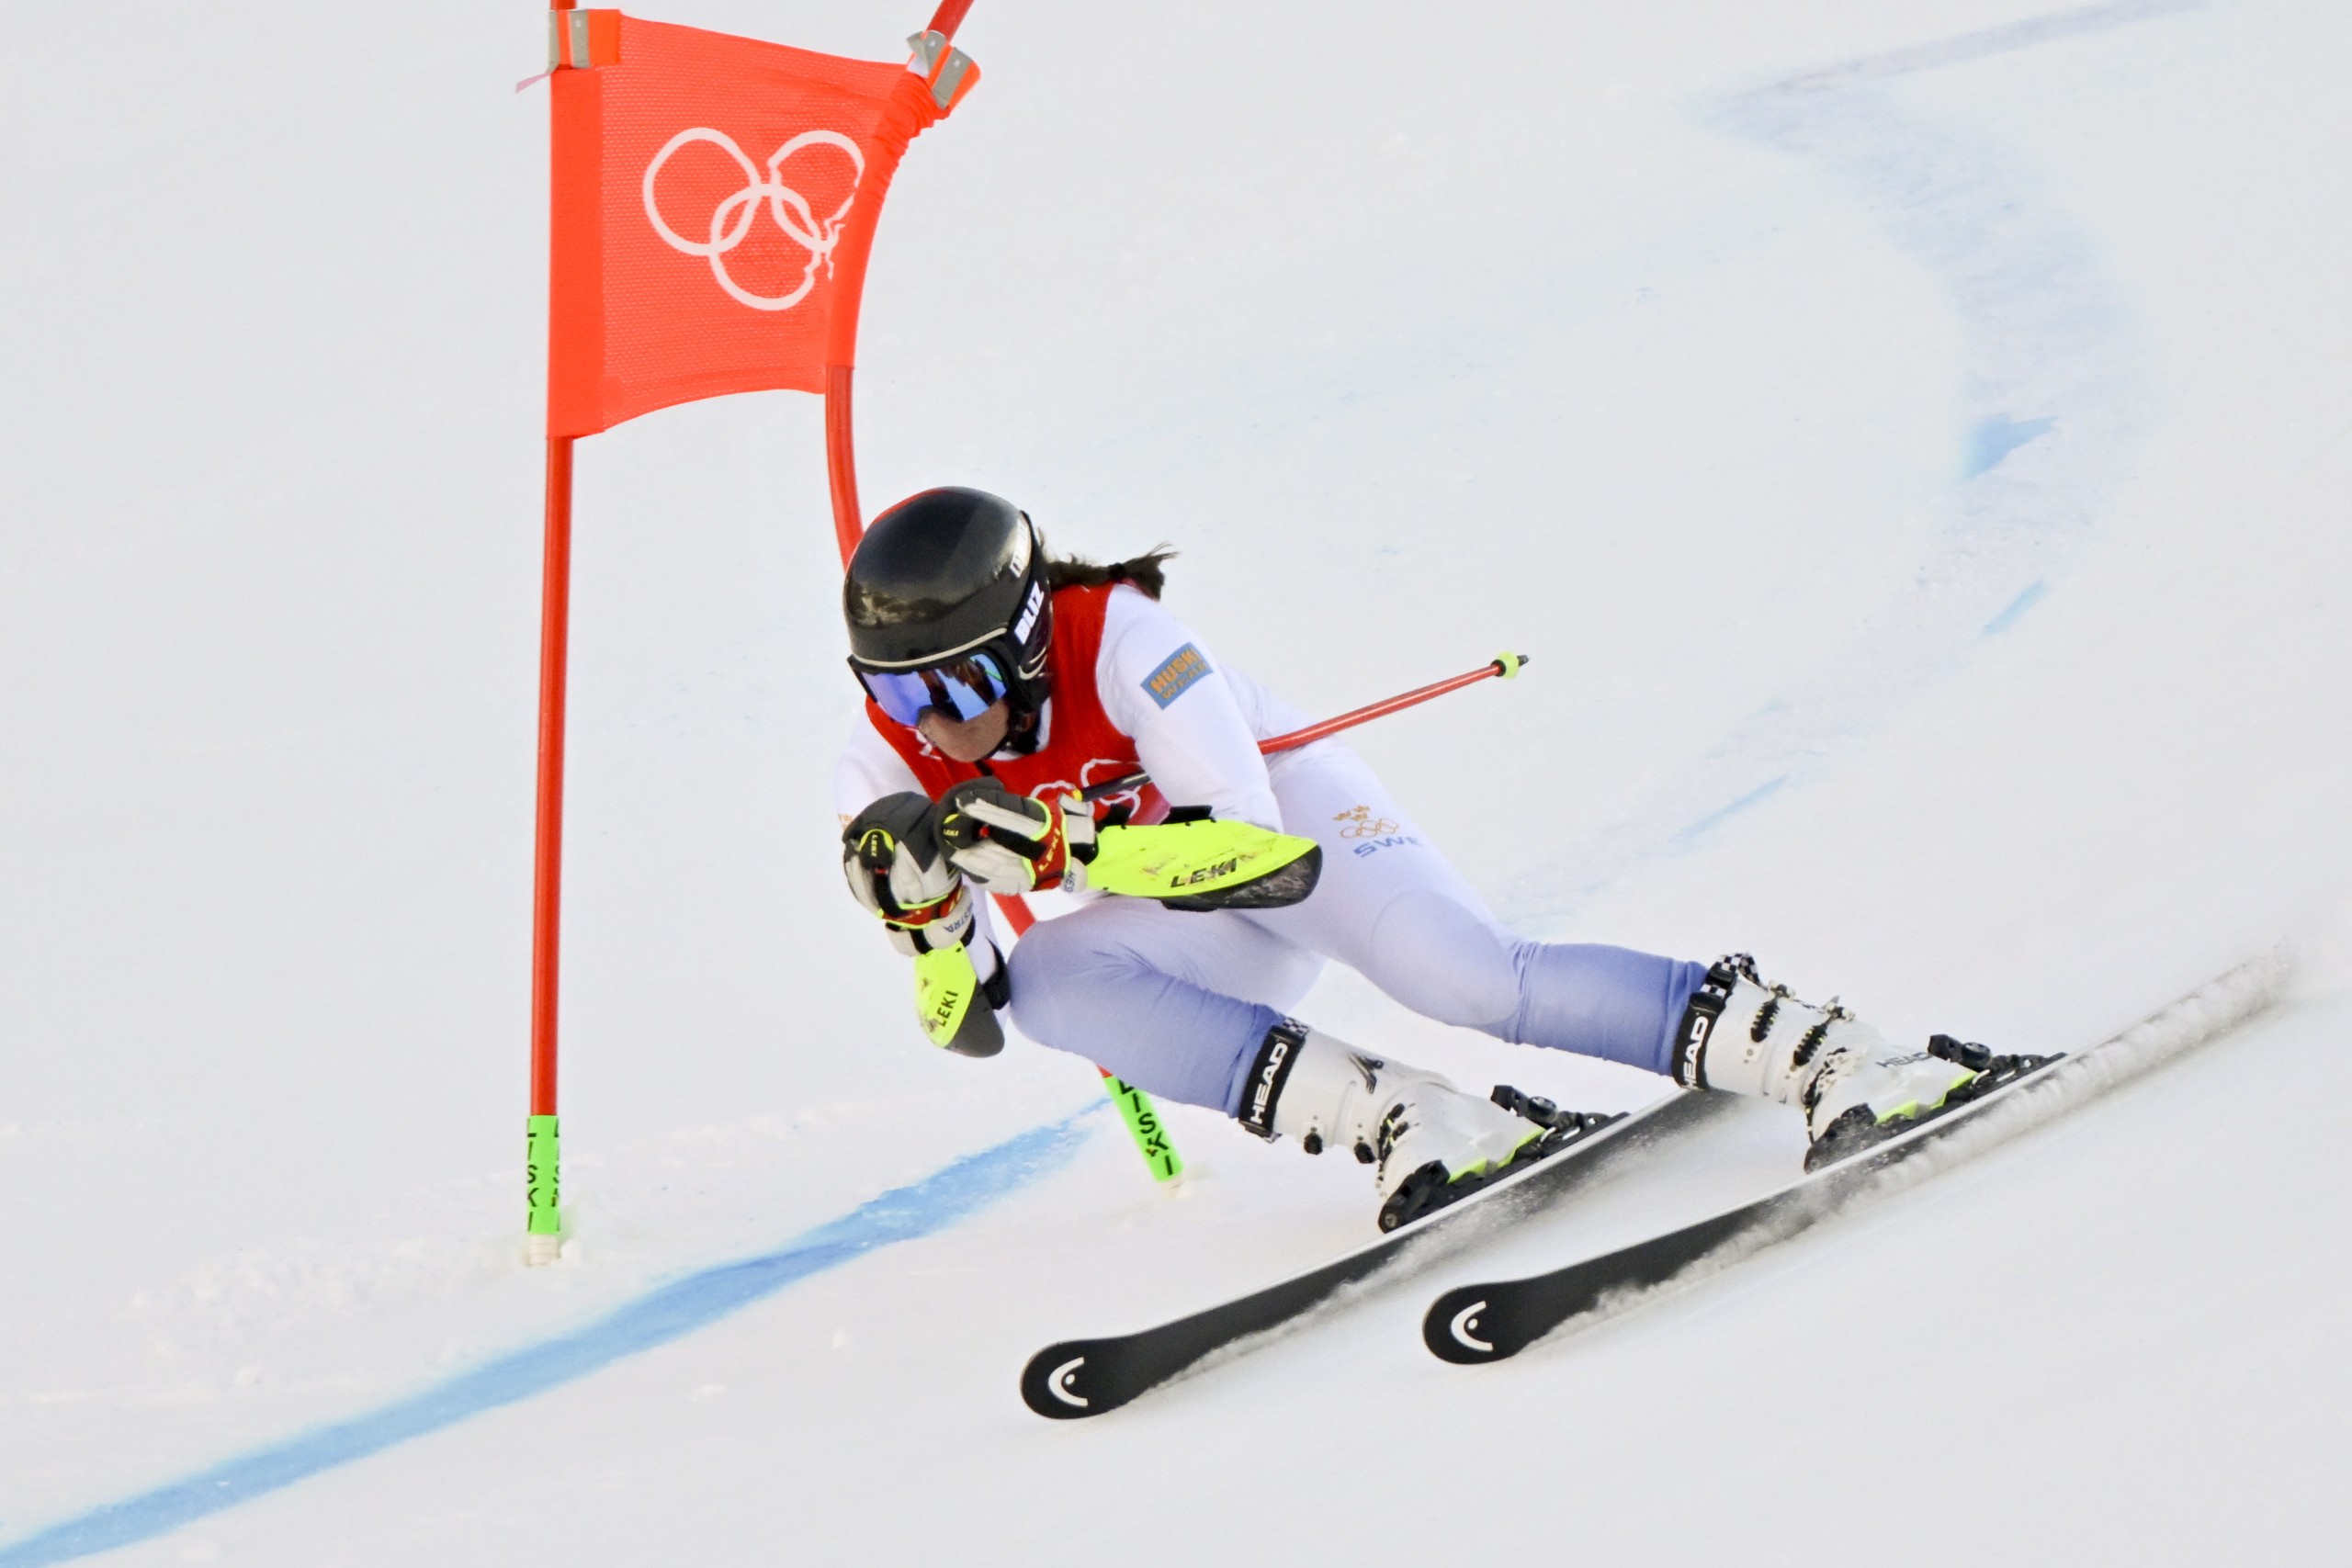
x=1911 y=436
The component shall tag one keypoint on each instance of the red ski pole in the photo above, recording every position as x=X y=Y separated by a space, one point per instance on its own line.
x=1502 y=667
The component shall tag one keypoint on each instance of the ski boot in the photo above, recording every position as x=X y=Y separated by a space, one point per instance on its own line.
x=1431 y=1144
x=1855 y=1088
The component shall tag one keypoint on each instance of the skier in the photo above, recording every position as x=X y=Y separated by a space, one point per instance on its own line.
x=1001 y=682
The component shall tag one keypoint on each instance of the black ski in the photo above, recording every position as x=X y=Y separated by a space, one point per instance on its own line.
x=1477 y=1323
x=1087 y=1377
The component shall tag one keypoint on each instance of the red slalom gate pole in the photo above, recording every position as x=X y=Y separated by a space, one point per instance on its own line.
x=841 y=461
x=948 y=17
x=542 y=1146
x=543 y=1157
x=841 y=446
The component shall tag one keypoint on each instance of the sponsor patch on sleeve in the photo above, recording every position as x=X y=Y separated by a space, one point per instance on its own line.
x=1172 y=679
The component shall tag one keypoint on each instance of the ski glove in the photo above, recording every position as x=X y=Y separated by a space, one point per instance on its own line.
x=1010 y=843
x=898 y=869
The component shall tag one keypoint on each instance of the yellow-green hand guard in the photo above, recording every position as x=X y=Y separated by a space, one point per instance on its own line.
x=1205 y=864
x=946 y=987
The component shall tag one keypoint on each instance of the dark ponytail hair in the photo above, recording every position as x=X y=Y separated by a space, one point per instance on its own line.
x=1142 y=571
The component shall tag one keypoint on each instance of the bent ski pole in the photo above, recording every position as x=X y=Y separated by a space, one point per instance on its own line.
x=1502 y=667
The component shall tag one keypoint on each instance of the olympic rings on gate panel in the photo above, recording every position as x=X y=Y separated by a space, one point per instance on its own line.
x=731 y=219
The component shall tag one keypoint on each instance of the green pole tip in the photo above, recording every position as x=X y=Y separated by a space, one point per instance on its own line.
x=1510 y=664
x=1145 y=1126
x=542 y=1162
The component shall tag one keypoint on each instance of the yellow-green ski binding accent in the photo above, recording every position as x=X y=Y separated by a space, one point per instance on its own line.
x=1913 y=1107
x=1485 y=1166
x=1205 y=864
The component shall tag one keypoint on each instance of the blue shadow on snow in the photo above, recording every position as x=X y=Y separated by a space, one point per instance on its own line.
x=667 y=1313
x=2015 y=607
x=1690 y=835
x=1993 y=440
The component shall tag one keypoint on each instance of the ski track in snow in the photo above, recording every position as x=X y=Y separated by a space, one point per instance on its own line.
x=952 y=1194
x=2053 y=364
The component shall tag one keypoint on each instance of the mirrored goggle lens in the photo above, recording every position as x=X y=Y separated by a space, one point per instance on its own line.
x=962 y=690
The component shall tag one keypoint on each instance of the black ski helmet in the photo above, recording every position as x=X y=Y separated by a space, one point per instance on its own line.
x=948 y=574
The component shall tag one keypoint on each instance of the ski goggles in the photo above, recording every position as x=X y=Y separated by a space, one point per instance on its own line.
x=962 y=688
